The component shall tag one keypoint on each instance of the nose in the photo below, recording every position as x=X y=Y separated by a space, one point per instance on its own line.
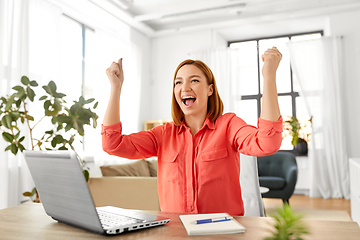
x=186 y=86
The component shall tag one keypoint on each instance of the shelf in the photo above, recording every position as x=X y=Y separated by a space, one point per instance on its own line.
x=153 y=123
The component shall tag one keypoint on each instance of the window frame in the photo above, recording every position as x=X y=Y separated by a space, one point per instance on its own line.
x=84 y=27
x=293 y=94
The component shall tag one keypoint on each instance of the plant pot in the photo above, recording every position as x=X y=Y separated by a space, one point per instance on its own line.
x=301 y=148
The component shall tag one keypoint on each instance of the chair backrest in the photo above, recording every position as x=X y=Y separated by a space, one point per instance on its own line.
x=250 y=188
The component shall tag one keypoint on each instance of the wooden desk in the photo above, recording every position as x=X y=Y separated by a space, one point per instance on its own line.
x=29 y=221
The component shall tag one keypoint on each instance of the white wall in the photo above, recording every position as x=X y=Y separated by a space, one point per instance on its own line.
x=168 y=51
x=144 y=44
x=166 y=54
x=348 y=26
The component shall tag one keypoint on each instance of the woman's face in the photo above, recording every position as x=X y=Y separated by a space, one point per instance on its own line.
x=192 y=91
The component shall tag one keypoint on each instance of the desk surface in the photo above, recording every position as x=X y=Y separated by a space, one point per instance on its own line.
x=29 y=221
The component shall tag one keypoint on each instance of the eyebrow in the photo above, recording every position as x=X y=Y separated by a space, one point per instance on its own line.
x=189 y=77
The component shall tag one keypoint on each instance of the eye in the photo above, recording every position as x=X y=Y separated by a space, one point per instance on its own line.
x=177 y=82
x=194 y=80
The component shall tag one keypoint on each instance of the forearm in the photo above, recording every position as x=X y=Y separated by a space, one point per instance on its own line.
x=270 y=106
x=112 y=114
x=116 y=76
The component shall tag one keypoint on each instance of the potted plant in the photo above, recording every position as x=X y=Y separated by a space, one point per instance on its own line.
x=66 y=122
x=288 y=225
x=300 y=133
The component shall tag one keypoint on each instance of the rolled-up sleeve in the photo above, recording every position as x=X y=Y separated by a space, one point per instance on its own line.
x=265 y=139
x=133 y=146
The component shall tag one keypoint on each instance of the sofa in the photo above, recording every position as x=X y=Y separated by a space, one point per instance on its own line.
x=132 y=186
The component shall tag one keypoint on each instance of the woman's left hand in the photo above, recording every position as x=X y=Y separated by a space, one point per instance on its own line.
x=271 y=59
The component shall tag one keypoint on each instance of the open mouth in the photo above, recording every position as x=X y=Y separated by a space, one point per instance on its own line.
x=188 y=100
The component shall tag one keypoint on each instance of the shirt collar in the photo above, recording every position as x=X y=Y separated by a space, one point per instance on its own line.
x=208 y=123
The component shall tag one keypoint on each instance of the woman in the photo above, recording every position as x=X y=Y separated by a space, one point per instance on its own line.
x=198 y=153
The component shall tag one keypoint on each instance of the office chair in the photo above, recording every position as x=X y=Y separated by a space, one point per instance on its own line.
x=250 y=189
x=278 y=172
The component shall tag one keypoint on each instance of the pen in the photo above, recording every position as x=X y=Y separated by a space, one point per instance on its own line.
x=213 y=220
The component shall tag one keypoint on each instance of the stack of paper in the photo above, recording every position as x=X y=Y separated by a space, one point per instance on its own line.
x=224 y=227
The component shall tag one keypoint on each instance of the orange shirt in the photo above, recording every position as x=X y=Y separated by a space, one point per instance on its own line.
x=198 y=174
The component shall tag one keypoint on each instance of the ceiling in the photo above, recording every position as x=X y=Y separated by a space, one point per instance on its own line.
x=154 y=17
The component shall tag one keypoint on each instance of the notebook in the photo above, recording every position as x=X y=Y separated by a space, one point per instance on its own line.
x=225 y=227
x=65 y=195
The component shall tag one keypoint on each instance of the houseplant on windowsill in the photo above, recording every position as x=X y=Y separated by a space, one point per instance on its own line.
x=300 y=133
x=66 y=123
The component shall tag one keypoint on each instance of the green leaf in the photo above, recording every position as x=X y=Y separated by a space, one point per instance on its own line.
x=14 y=115
x=59 y=138
x=18 y=88
x=49 y=132
x=86 y=174
x=43 y=98
x=63 y=148
x=33 y=192
x=7 y=148
x=30 y=118
x=96 y=104
x=31 y=94
x=8 y=137
x=68 y=127
x=25 y=80
x=53 y=142
x=79 y=127
x=34 y=83
x=47 y=104
x=74 y=109
x=57 y=105
x=27 y=194
x=52 y=87
x=59 y=127
x=90 y=100
x=64 y=119
x=17 y=135
x=13 y=148
x=59 y=95
x=9 y=103
x=47 y=89
x=20 y=91
x=82 y=100
x=53 y=120
x=21 y=139
x=6 y=121
x=18 y=103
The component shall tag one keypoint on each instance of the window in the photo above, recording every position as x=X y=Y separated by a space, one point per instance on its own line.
x=75 y=55
x=251 y=80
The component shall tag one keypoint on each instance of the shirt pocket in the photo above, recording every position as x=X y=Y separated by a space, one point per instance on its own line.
x=168 y=167
x=213 y=165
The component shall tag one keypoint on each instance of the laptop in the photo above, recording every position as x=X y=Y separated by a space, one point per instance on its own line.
x=64 y=193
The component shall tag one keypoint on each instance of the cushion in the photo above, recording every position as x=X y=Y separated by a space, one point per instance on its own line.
x=273 y=183
x=152 y=167
x=137 y=168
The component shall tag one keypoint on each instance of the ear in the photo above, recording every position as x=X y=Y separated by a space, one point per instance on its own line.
x=210 y=90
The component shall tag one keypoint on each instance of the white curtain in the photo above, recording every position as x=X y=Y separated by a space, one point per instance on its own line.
x=317 y=65
x=224 y=63
x=28 y=46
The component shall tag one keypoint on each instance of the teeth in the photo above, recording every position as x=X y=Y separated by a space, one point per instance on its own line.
x=186 y=97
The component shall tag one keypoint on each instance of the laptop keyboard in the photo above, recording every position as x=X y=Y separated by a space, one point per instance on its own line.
x=112 y=219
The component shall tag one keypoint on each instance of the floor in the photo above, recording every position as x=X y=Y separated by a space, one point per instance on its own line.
x=314 y=208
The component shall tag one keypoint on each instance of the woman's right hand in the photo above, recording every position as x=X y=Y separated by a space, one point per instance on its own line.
x=115 y=74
